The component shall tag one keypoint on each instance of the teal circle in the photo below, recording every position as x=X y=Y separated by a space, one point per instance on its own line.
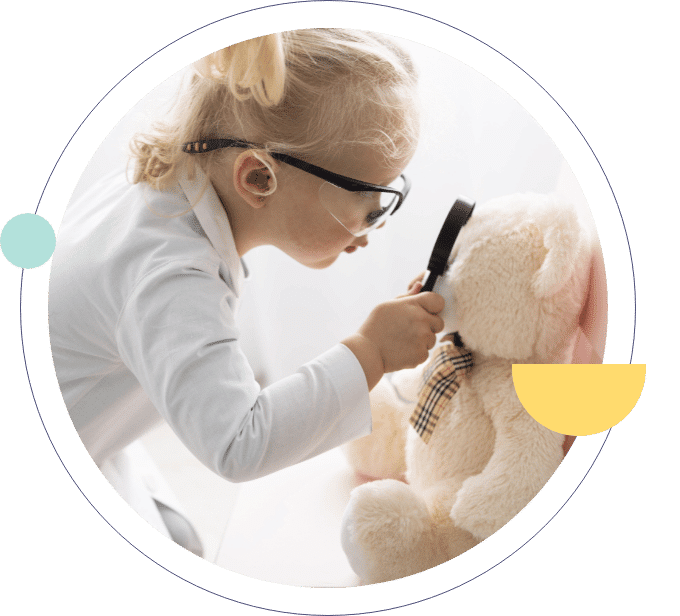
x=28 y=240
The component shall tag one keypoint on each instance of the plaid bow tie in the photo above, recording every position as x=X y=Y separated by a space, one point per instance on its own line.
x=442 y=379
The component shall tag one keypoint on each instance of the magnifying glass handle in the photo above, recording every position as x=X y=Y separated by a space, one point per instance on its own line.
x=428 y=285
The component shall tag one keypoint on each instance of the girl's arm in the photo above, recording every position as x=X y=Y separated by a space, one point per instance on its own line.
x=178 y=337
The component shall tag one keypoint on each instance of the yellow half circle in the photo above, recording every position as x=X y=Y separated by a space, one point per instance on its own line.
x=578 y=399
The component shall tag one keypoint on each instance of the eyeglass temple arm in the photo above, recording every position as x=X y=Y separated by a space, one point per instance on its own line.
x=208 y=145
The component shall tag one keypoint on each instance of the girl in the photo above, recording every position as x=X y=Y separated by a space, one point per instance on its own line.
x=297 y=140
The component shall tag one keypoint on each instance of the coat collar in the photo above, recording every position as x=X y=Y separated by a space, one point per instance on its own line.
x=211 y=215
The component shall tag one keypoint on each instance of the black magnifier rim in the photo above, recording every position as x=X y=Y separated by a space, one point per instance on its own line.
x=458 y=215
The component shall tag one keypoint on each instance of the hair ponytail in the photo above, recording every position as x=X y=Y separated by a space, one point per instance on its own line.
x=254 y=68
x=313 y=93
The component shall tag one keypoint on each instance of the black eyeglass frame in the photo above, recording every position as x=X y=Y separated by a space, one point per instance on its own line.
x=341 y=181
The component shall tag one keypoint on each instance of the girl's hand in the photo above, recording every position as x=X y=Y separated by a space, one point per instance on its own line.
x=398 y=334
x=416 y=284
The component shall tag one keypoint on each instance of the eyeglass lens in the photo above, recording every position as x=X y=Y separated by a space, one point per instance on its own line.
x=359 y=212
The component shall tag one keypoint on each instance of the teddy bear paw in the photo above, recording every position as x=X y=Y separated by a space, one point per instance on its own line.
x=382 y=523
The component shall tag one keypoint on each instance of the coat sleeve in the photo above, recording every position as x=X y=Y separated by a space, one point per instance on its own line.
x=177 y=335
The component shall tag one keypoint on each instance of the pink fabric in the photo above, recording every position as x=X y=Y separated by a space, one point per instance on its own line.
x=589 y=347
x=590 y=344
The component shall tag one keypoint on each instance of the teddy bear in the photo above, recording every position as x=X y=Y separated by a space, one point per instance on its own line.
x=516 y=282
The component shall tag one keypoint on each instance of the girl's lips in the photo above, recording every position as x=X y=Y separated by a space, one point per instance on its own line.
x=350 y=249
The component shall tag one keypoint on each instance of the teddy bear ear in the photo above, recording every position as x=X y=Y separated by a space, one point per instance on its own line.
x=565 y=239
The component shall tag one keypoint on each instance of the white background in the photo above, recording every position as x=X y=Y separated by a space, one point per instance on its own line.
x=476 y=141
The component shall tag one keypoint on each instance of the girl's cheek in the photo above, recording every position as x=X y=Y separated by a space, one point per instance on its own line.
x=327 y=237
x=317 y=246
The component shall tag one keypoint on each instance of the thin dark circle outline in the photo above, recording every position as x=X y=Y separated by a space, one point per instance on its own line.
x=21 y=295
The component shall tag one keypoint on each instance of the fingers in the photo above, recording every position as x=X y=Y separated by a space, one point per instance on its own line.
x=403 y=330
x=436 y=324
x=431 y=302
x=416 y=284
x=414 y=289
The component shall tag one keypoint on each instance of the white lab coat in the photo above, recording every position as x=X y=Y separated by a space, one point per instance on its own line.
x=142 y=323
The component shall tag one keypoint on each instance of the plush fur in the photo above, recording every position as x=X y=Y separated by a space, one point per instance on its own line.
x=514 y=292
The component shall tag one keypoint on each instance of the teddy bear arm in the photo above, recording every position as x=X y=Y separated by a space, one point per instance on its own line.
x=525 y=456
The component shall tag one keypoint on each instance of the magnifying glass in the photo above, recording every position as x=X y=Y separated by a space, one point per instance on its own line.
x=459 y=214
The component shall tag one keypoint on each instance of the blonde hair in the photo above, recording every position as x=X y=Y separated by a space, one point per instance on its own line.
x=311 y=93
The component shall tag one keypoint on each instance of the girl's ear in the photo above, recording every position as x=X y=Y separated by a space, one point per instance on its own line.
x=254 y=177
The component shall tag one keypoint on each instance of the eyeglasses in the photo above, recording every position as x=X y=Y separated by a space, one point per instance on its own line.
x=358 y=206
